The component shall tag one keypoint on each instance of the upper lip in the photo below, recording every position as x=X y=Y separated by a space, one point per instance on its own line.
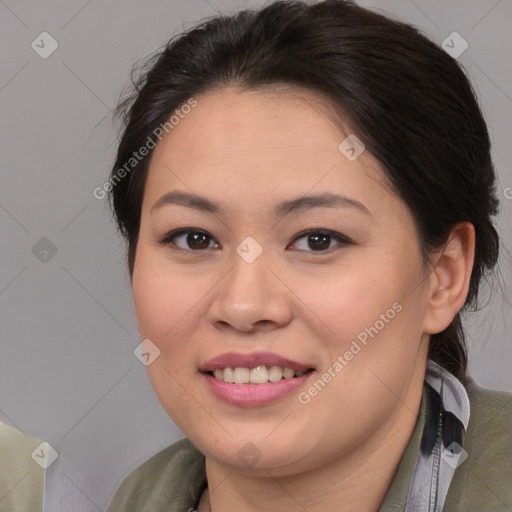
x=235 y=359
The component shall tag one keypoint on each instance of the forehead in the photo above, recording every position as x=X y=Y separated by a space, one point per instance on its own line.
x=242 y=118
x=265 y=140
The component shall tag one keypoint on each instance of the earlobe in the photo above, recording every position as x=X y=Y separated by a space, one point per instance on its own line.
x=450 y=277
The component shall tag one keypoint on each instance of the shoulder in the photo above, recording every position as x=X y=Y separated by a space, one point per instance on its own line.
x=170 y=480
x=489 y=433
x=483 y=480
x=14 y=441
x=485 y=402
x=21 y=470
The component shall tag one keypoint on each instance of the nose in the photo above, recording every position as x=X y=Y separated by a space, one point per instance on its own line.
x=252 y=297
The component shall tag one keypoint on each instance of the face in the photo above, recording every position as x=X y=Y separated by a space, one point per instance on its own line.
x=337 y=290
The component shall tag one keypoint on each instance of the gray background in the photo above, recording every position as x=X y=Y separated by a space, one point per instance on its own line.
x=67 y=369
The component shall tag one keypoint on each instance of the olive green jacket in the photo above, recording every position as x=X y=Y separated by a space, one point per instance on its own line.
x=174 y=479
x=22 y=461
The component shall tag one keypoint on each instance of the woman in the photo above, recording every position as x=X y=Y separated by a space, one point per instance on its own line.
x=307 y=195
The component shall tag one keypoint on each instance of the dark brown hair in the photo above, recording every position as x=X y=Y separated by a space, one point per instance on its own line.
x=408 y=101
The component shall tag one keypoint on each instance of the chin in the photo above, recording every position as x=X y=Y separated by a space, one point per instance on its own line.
x=254 y=453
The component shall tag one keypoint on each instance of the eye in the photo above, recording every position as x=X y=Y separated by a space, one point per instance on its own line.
x=194 y=238
x=319 y=239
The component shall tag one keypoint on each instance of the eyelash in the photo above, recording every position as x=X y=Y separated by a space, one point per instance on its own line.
x=167 y=240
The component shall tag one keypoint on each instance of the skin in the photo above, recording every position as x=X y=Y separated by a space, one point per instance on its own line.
x=248 y=151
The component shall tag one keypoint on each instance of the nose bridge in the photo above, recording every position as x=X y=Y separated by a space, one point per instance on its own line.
x=248 y=281
x=250 y=292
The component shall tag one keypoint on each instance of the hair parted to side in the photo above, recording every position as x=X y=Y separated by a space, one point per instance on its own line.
x=408 y=101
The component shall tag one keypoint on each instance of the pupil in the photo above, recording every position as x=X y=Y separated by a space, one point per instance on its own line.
x=319 y=246
x=193 y=238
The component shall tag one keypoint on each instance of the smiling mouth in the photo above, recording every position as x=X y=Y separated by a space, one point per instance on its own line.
x=261 y=374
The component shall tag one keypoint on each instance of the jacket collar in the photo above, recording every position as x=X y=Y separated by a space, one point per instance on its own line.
x=435 y=449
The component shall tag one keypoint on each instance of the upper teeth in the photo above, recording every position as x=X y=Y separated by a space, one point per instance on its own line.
x=257 y=375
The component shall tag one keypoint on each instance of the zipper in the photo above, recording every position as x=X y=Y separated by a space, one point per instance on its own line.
x=436 y=463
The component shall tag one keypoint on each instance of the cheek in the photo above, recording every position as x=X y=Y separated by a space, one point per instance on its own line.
x=165 y=316
x=169 y=305
x=151 y=306
x=353 y=301
x=374 y=316
x=160 y=299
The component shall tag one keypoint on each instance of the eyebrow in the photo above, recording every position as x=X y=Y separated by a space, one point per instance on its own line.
x=299 y=204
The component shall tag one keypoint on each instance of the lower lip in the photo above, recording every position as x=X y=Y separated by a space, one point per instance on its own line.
x=254 y=394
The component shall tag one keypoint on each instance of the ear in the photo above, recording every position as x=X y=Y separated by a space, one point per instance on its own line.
x=449 y=279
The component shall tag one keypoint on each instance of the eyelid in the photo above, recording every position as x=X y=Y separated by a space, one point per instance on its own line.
x=342 y=239
x=166 y=240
